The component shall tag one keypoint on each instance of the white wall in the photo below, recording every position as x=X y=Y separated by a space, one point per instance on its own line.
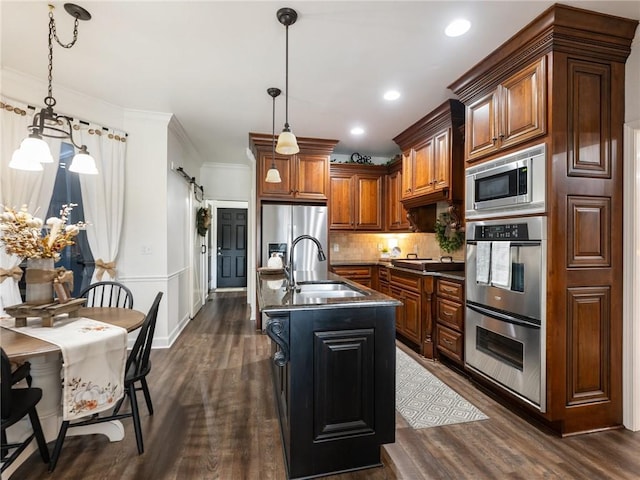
x=233 y=186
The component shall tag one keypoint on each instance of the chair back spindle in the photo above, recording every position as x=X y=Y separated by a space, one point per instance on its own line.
x=108 y=294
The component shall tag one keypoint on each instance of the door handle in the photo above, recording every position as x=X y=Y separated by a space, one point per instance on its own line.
x=203 y=249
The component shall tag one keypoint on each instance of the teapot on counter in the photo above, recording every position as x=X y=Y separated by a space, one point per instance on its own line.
x=275 y=261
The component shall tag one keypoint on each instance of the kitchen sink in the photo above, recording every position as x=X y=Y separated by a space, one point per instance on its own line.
x=328 y=290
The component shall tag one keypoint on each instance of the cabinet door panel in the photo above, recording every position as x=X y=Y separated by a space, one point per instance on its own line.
x=422 y=169
x=412 y=316
x=312 y=177
x=480 y=131
x=523 y=101
x=341 y=208
x=284 y=164
x=395 y=211
x=343 y=382
x=369 y=202
x=407 y=173
x=441 y=161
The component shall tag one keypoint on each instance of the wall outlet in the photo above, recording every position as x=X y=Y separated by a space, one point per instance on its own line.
x=145 y=250
x=336 y=247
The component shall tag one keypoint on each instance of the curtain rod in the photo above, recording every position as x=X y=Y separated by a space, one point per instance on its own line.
x=190 y=179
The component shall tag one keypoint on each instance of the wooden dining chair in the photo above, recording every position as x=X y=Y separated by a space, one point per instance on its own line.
x=16 y=404
x=107 y=294
x=137 y=368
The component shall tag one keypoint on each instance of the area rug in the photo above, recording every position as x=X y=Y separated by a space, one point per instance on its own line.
x=425 y=401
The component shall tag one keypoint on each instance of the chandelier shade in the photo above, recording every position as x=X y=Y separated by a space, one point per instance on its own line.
x=273 y=175
x=47 y=123
x=287 y=143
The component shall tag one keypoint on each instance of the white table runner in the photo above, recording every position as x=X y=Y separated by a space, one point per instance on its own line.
x=93 y=361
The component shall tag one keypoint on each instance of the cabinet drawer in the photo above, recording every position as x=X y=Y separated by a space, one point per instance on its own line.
x=406 y=281
x=450 y=342
x=383 y=274
x=450 y=313
x=450 y=290
x=353 y=272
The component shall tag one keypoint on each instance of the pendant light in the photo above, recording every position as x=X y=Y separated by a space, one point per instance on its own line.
x=273 y=175
x=287 y=143
x=34 y=151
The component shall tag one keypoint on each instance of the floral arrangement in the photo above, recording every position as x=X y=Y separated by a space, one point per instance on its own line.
x=449 y=233
x=22 y=233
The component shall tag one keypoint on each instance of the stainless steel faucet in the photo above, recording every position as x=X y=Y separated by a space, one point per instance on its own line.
x=290 y=268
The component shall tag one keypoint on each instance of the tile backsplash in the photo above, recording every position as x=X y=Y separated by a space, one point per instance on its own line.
x=368 y=246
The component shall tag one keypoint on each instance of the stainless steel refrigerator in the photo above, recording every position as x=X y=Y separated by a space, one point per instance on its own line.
x=281 y=224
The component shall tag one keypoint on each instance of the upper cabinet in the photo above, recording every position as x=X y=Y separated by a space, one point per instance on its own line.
x=432 y=157
x=356 y=197
x=395 y=213
x=305 y=175
x=511 y=113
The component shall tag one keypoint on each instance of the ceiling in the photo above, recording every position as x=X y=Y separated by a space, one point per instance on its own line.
x=210 y=62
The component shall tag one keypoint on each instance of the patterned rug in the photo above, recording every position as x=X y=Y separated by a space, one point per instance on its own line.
x=424 y=401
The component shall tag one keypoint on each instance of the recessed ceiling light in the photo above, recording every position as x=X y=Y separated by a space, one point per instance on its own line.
x=392 y=95
x=357 y=131
x=458 y=27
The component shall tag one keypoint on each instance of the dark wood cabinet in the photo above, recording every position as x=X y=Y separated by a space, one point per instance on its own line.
x=579 y=57
x=356 y=197
x=432 y=157
x=512 y=113
x=358 y=273
x=395 y=212
x=305 y=175
x=334 y=377
x=413 y=318
x=449 y=316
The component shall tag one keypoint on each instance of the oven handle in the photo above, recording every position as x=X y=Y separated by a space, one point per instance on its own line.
x=521 y=243
x=502 y=316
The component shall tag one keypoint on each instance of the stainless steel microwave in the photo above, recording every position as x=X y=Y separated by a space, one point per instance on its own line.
x=513 y=184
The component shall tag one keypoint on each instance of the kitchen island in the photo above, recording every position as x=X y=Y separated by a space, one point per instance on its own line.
x=333 y=371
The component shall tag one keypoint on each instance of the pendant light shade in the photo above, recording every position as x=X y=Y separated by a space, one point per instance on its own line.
x=287 y=143
x=22 y=161
x=273 y=175
x=47 y=123
x=83 y=163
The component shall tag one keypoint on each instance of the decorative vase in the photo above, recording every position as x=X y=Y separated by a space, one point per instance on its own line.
x=39 y=280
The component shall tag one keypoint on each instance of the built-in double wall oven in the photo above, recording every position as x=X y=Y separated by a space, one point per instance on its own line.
x=506 y=271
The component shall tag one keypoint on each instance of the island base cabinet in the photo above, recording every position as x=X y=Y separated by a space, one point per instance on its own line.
x=335 y=388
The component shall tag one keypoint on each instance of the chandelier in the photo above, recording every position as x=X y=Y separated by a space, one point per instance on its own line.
x=34 y=151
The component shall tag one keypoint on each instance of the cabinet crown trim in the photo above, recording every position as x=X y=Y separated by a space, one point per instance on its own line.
x=559 y=28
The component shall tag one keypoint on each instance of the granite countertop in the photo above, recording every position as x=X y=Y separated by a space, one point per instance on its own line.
x=273 y=295
x=453 y=274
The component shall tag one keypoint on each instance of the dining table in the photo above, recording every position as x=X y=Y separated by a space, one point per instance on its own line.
x=20 y=347
x=46 y=364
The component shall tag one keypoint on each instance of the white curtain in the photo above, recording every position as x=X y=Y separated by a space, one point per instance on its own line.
x=103 y=197
x=18 y=187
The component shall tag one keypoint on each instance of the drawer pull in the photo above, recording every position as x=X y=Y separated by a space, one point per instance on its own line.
x=448 y=314
x=447 y=341
x=450 y=290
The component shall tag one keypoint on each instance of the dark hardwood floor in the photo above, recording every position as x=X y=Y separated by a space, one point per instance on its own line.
x=215 y=418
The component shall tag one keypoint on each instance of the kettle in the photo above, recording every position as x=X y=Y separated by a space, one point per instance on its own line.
x=275 y=261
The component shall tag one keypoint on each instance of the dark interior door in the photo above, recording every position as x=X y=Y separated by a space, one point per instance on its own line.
x=232 y=247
